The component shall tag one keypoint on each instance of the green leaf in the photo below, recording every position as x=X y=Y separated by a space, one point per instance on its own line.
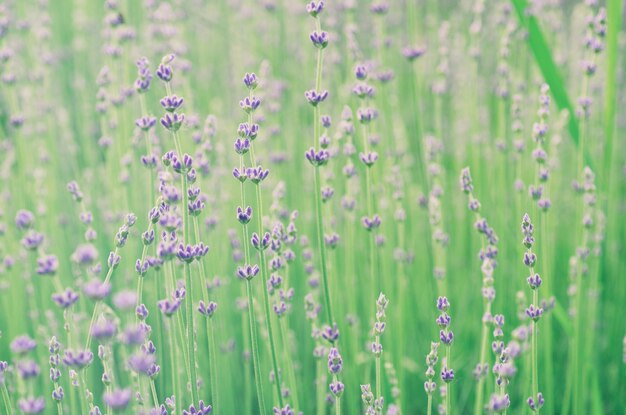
x=544 y=58
x=614 y=24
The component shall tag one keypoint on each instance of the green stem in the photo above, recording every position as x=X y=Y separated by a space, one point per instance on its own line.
x=191 y=349
x=97 y=305
x=7 y=400
x=255 y=348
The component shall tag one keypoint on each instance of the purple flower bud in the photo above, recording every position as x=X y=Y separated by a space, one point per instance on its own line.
x=207 y=309
x=250 y=81
x=319 y=39
x=172 y=121
x=250 y=104
x=32 y=405
x=257 y=175
x=447 y=375
x=412 y=53
x=314 y=8
x=336 y=388
x=24 y=219
x=65 y=299
x=369 y=159
x=247 y=272
x=330 y=334
x=534 y=313
x=315 y=97
x=117 y=399
x=371 y=223
x=202 y=409
x=78 y=360
x=171 y=103
x=145 y=123
x=534 y=281
x=536 y=404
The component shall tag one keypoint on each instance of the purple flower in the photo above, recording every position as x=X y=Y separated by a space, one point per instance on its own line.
x=247 y=272
x=363 y=90
x=536 y=404
x=466 y=180
x=78 y=360
x=141 y=362
x=85 y=254
x=186 y=253
x=319 y=39
x=32 y=405
x=250 y=104
x=244 y=215
x=134 y=334
x=104 y=329
x=117 y=399
x=168 y=307
x=319 y=158
x=315 y=97
x=371 y=223
x=141 y=311
x=413 y=52
x=125 y=299
x=58 y=394
x=257 y=175
x=498 y=403
x=335 y=362
x=246 y=130
x=27 y=369
x=241 y=175
x=284 y=411
x=314 y=8
x=447 y=375
x=534 y=281
x=330 y=334
x=201 y=410
x=369 y=159
x=23 y=344
x=172 y=121
x=207 y=309
x=24 y=219
x=250 y=80
x=260 y=244
x=446 y=337
x=96 y=290
x=242 y=146
x=171 y=103
x=164 y=70
x=32 y=240
x=534 y=312
x=366 y=115
x=336 y=388
x=443 y=304
x=65 y=299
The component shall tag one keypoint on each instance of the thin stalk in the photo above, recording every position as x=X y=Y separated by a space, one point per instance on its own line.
x=448 y=385
x=282 y=328
x=317 y=182
x=191 y=349
x=378 y=375
x=97 y=305
x=266 y=299
x=255 y=349
x=209 y=326
x=8 y=407
x=251 y=317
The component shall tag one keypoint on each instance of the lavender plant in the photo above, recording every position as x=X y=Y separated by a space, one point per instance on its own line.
x=110 y=312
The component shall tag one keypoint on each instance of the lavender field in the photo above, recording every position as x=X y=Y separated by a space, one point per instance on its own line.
x=325 y=207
